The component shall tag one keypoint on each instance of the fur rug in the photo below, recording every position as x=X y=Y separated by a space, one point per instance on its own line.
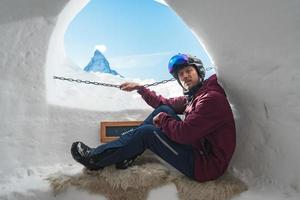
x=148 y=172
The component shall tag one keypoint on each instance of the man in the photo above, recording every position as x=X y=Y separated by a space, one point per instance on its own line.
x=200 y=146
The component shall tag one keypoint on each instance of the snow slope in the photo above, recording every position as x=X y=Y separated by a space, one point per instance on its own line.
x=253 y=43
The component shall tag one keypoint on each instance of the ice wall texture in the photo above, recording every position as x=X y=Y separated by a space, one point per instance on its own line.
x=32 y=132
x=255 y=45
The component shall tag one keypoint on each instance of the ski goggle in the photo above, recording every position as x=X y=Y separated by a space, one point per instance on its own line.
x=177 y=61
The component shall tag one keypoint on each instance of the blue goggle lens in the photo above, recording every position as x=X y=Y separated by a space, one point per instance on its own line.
x=177 y=60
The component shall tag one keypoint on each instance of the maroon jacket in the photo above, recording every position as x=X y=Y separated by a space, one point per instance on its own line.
x=208 y=119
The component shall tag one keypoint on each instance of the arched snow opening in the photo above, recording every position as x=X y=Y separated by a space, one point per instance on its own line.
x=100 y=98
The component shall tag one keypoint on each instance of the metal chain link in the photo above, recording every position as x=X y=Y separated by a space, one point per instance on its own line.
x=86 y=82
x=160 y=82
x=113 y=85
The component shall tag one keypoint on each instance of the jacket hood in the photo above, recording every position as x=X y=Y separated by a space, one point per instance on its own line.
x=211 y=84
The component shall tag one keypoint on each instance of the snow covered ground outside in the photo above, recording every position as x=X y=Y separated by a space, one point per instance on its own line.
x=91 y=97
x=253 y=43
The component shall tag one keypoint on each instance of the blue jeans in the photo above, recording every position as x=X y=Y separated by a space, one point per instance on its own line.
x=147 y=136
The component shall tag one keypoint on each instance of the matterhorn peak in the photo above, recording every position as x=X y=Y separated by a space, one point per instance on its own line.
x=99 y=63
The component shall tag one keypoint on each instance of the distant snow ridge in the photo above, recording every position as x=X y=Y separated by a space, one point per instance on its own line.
x=99 y=63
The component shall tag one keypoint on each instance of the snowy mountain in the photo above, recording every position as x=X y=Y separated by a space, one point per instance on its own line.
x=99 y=63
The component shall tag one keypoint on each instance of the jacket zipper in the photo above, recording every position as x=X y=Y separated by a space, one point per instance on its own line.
x=165 y=143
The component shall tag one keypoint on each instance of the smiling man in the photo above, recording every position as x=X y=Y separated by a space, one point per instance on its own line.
x=199 y=146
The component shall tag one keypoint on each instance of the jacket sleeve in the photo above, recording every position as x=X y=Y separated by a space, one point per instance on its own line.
x=207 y=116
x=154 y=100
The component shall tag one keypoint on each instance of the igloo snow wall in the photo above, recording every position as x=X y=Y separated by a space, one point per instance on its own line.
x=254 y=44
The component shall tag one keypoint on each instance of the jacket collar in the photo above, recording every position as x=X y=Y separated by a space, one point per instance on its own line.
x=191 y=93
x=209 y=84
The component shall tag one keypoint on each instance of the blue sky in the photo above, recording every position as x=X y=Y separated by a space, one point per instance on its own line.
x=137 y=37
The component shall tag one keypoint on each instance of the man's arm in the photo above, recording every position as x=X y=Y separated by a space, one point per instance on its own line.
x=207 y=117
x=154 y=100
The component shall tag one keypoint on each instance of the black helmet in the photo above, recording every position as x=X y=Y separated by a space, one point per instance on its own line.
x=180 y=61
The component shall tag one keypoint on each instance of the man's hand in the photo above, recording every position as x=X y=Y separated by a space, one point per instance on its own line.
x=130 y=86
x=156 y=120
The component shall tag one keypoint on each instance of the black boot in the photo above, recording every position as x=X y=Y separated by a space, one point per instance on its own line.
x=80 y=152
x=126 y=163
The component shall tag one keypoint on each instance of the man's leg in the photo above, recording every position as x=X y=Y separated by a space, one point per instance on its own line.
x=162 y=108
x=125 y=138
x=149 y=137
x=115 y=151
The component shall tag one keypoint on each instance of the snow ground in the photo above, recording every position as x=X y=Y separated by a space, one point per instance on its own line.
x=31 y=184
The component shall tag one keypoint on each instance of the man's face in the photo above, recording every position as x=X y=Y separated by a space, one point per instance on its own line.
x=188 y=77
